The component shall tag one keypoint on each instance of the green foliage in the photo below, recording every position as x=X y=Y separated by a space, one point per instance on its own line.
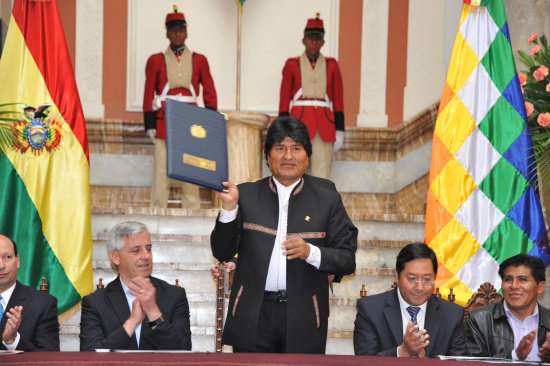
x=536 y=94
x=526 y=59
x=8 y=115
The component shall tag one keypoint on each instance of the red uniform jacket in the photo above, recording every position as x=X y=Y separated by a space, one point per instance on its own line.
x=155 y=80
x=315 y=118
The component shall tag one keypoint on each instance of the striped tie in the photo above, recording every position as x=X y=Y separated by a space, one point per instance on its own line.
x=413 y=311
x=1 y=309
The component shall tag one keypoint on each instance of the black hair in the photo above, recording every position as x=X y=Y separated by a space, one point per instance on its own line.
x=414 y=251
x=176 y=22
x=533 y=263
x=320 y=35
x=287 y=126
x=13 y=242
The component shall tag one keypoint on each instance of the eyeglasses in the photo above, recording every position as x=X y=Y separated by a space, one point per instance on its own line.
x=424 y=281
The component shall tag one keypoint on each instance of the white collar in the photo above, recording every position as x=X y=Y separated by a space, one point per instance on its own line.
x=404 y=305
x=509 y=313
x=284 y=190
x=6 y=295
x=125 y=288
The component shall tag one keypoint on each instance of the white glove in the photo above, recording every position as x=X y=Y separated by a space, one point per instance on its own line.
x=339 y=141
x=152 y=133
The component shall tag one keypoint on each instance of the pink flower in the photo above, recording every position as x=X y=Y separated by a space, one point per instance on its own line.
x=529 y=108
x=548 y=87
x=522 y=78
x=534 y=50
x=540 y=73
x=544 y=119
x=532 y=38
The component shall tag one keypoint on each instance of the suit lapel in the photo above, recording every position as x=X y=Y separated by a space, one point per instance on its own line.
x=145 y=331
x=392 y=313
x=432 y=322
x=118 y=302
x=18 y=298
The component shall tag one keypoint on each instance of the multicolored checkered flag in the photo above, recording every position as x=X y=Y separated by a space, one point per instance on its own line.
x=482 y=204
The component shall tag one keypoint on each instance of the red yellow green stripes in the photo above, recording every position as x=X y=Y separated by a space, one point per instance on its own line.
x=25 y=227
x=45 y=197
x=41 y=29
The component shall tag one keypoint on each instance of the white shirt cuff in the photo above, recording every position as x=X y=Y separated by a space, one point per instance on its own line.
x=314 y=257
x=228 y=216
x=11 y=347
x=514 y=356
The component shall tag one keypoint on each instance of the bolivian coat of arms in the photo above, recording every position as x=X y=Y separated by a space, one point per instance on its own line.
x=35 y=129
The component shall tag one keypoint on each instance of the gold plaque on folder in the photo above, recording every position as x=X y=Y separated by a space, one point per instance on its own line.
x=199 y=162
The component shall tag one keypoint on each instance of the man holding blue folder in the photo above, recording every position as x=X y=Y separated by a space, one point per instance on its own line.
x=288 y=230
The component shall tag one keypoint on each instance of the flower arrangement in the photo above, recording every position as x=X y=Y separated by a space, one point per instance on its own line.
x=535 y=86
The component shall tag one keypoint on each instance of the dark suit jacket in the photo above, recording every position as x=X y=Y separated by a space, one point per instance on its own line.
x=316 y=214
x=105 y=311
x=379 y=328
x=39 y=329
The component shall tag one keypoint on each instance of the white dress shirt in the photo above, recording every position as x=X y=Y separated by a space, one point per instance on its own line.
x=276 y=274
x=406 y=317
x=521 y=329
x=130 y=298
x=6 y=295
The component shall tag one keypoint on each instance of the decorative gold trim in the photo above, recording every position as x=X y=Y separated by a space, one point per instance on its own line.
x=199 y=162
x=69 y=313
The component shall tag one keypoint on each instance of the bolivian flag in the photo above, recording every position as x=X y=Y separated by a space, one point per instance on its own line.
x=482 y=203
x=44 y=171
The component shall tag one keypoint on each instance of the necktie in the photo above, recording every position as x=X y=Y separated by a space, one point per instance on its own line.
x=1 y=309
x=413 y=311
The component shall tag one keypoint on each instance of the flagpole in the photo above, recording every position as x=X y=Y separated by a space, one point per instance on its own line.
x=239 y=28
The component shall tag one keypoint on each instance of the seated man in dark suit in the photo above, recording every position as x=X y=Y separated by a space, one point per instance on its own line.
x=517 y=327
x=29 y=317
x=136 y=310
x=409 y=321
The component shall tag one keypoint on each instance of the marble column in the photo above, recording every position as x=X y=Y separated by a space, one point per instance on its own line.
x=244 y=145
x=374 y=51
x=244 y=142
x=89 y=57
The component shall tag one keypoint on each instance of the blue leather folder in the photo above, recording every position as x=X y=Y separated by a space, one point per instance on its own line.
x=196 y=145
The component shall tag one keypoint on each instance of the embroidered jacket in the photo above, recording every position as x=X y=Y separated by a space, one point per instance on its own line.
x=316 y=214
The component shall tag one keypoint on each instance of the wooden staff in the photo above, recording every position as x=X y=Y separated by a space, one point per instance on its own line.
x=221 y=290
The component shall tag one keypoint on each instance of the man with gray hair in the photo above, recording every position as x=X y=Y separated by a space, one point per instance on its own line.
x=136 y=310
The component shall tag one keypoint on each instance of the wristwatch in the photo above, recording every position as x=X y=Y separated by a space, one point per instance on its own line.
x=155 y=323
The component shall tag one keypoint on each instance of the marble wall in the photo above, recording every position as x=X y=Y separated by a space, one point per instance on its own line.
x=526 y=17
